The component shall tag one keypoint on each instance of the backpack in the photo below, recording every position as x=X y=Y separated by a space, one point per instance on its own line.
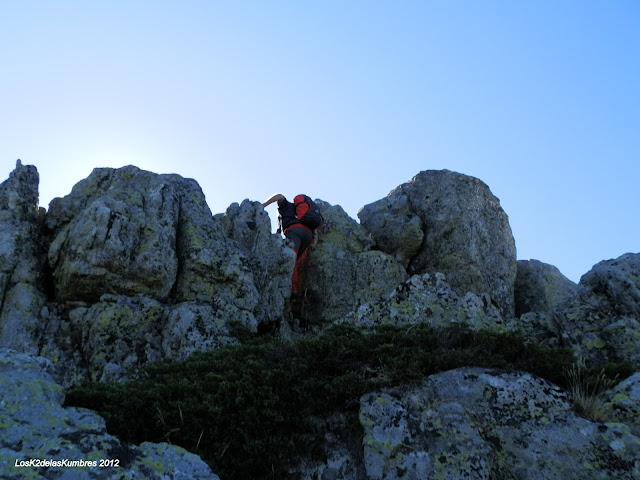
x=307 y=212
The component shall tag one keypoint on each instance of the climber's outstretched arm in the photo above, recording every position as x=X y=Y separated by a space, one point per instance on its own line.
x=274 y=198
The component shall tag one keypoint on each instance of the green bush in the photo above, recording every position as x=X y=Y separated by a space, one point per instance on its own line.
x=245 y=409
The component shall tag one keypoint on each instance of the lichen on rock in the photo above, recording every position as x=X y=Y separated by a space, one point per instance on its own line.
x=427 y=298
x=477 y=423
x=35 y=425
x=466 y=234
x=342 y=272
x=602 y=323
x=539 y=287
x=624 y=403
x=131 y=267
x=22 y=262
x=269 y=257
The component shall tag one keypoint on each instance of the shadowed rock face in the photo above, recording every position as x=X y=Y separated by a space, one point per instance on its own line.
x=268 y=257
x=33 y=424
x=479 y=423
x=599 y=319
x=395 y=226
x=540 y=287
x=19 y=193
x=342 y=272
x=137 y=270
x=624 y=404
x=446 y=222
x=22 y=262
x=602 y=323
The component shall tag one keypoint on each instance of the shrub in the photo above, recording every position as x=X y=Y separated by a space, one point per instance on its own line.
x=247 y=408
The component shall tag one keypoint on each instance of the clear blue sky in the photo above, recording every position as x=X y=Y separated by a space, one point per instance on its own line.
x=343 y=100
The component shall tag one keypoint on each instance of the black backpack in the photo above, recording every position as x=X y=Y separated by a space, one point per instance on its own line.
x=307 y=212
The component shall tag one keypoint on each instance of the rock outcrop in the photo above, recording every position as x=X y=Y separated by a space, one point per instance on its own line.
x=446 y=222
x=35 y=428
x=140 y=271
x=478 y=423
x=343 y=272
x=603 y=323
x=539 y=287
x=428 y=298
x=22 y=263
x=600 y=320
x=269 y=258
x=395 y=226
x=624 y=403
x=131 y=267
x=130 y=232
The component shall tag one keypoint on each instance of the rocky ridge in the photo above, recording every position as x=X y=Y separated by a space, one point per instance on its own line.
x=132 y=267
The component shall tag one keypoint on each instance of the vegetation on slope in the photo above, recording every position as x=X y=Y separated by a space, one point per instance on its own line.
x=246 y=408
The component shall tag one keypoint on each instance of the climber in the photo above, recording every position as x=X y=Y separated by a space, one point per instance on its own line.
x=299 y=222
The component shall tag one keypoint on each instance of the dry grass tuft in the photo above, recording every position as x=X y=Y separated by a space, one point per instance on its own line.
x=587 y=391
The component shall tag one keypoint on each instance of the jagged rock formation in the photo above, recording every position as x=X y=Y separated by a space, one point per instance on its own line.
x=130 y=232
x=343 y=271
x=34 y=425
x=474 y=423
x=428 y=298
x=107 y=340
x=22 y=263
x=394 y=225
x=603 y=322
x=140 y=270
x=478 y=423
x=269 y=258
x=539 y=287
x=131 y=267
x=443 y=221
